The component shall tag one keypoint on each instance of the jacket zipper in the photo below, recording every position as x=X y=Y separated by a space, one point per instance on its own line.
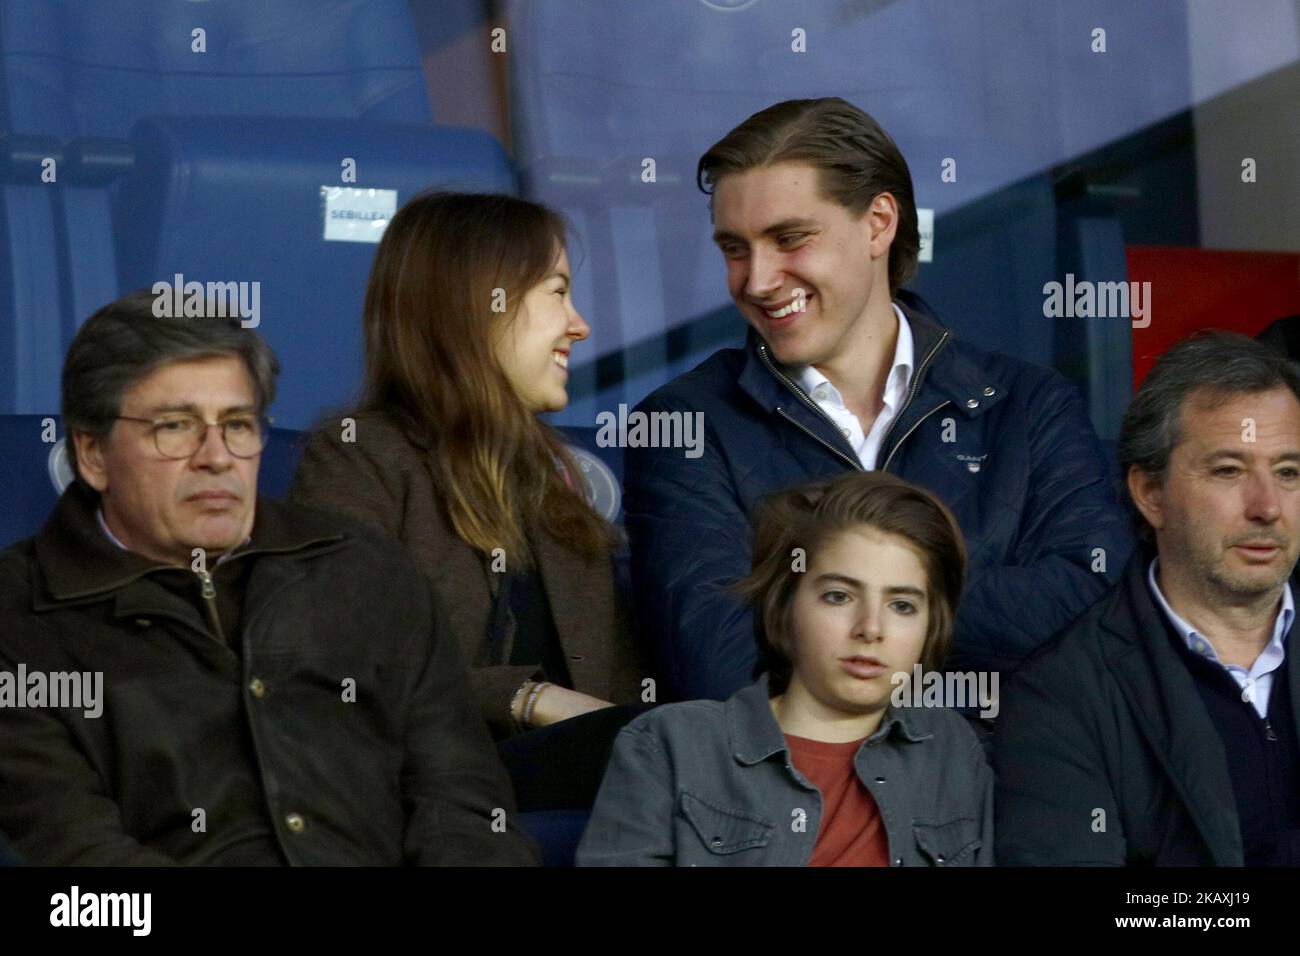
x=911 y=394
x=916 y=387
x=137 y=575
x=210 y=603
x=762 y=351
x=782 y=412
x=890 y=456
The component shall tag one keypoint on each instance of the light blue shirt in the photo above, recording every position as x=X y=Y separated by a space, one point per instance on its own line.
x=103 y=525
x=1255 y=683
x=99 y=515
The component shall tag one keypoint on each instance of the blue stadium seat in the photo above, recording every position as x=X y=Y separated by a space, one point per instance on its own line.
x=33 y=472
x=69 y=93
x=602 y=468
x=241 y=200
x=209 y=164
x=558 y=832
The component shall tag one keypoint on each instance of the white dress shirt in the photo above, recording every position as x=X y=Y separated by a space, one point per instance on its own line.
x=866 y=443
x=1255 y=683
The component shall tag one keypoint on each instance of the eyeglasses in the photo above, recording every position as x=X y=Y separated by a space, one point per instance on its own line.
x=180 y=436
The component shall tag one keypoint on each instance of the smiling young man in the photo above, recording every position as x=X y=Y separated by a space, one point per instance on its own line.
x=1161 y=728
x=280 y=686
x=814 y=215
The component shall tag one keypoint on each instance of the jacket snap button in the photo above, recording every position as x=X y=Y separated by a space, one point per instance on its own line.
x=898 y=862
x=142 y=622
x=295 y=822
x=972 y=403
x=939 y=859
x=576 y=657
x=717 y=841
x=257 y=688
x=990 y=390
x=880 y=780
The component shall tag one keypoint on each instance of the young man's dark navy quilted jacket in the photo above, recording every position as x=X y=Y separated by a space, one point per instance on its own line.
x=1022 y=470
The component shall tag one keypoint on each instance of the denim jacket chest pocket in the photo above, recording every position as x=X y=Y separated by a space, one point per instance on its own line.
x=953 y=843
x=720 y=832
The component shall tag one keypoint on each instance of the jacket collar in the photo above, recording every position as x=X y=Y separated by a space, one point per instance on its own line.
x=755 y=735
x=78 y=561
x=941 y=371
x=1138 y=649
x=945 y=374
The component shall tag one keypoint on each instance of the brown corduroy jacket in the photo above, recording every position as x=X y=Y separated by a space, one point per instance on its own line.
x=382 y=476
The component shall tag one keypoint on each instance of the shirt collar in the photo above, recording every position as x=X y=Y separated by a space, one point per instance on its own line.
x=78 y=560
x=1197 y=643
x=103 y=526
x=99 y=516
x=755 y=734
x=900 y=374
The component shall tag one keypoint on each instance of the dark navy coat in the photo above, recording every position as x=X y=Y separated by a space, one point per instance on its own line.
x=1023 y=472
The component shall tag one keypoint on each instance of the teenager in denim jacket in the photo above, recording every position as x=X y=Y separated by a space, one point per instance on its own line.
x=855 y=580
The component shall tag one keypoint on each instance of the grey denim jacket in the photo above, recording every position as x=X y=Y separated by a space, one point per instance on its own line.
x=709 y=783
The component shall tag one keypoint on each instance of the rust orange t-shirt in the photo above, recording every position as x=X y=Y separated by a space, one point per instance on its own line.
x=852 y=832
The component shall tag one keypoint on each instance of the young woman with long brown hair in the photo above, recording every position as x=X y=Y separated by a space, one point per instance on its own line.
x=468 y=328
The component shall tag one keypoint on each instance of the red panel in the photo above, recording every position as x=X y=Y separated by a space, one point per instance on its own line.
x=1206 y=288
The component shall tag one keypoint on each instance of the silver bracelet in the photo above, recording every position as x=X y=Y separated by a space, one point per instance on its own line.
x=532 y=699
x=514 y=700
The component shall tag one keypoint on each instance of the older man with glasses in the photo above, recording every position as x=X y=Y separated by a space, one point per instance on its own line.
x=278 y=685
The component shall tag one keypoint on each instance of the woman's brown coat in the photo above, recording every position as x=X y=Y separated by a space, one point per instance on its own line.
x=382 y=476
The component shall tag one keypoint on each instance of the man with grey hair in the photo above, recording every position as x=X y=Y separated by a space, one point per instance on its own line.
x=279 y=686
x=1160 y=728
